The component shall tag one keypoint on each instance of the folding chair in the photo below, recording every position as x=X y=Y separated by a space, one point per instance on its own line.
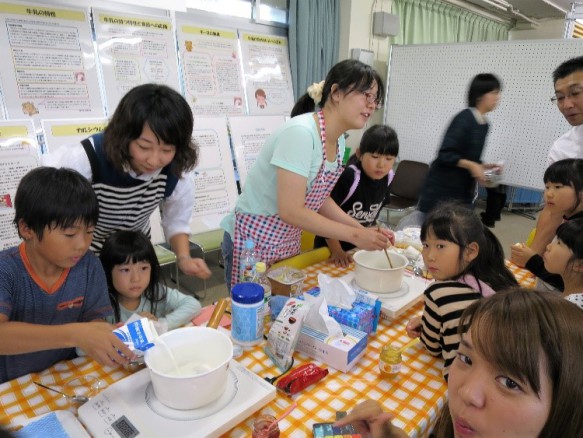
x=406 y=186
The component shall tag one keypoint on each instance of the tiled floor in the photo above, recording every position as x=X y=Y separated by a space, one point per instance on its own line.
x=512 y=228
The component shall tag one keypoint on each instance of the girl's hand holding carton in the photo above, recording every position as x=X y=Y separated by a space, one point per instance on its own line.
x=520 y=254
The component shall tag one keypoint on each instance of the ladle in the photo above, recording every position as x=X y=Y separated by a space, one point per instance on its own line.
x=282 y=416
x=75 y=398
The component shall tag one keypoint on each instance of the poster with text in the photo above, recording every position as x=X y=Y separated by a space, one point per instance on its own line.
x=59 y=133
x=249 y=134
x=49 y=62
x=211 y=69
x=215 y=186
x=133 y=50
x=266 y=68
x=19 y=153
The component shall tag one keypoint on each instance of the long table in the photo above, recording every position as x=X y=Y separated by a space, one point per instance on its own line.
x=415 y=396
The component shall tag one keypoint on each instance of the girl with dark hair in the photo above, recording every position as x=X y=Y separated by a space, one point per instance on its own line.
x=563 y=196
x=362 y=188
x=564 y=256
x=467 y=262
x=457 y=167
x=133 y=278
x=517 y=372
x=288 y=187
x=145 y=158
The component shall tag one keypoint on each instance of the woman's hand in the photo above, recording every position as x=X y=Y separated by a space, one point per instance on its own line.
x=520 y=254
x=371 y=416
x=372 y=239
x=414 y=327
x=192 y=266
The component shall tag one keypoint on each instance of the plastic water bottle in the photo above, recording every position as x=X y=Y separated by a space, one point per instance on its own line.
x=262 y=280
x=248 y=260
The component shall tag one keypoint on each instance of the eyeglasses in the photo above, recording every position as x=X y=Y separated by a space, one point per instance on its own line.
x=371 y=98
x=559 y=99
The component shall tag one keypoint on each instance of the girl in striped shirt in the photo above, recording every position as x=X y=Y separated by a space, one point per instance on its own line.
x=467 y=262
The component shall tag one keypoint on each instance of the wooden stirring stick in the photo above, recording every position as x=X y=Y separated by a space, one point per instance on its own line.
x=385 y=249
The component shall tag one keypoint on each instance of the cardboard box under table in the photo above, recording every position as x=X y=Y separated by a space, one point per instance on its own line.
x=339 y=353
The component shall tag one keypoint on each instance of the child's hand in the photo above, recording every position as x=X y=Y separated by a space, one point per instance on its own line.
x=192 y=266
x=340 y=258
x=413 y=327
x=371 y=415
x=98 y=341
x=148 y=315
x=520 y=254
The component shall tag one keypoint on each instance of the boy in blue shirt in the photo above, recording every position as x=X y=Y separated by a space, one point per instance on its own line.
x=53 y=292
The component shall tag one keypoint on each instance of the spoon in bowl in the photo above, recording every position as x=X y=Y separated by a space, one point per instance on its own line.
x=75 y=398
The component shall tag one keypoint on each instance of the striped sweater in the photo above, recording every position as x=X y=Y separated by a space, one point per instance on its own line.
x=445 y=302
x=125 y=203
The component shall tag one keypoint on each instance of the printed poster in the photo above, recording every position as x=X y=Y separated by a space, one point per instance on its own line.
x=266 y=69
x=19 y=153
x=248 y=135
x=215 y=187
x=58 y=133
x=134 y=49
x=211 y=70
x=48 y=68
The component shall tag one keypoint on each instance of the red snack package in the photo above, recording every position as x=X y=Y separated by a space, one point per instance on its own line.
x=301 y=378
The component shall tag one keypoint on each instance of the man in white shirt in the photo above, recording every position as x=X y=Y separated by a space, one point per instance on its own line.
x=568 y=80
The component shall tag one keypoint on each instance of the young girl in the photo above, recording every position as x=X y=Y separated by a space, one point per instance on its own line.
x=362 y=188
x=288 y=187
x=467 y=262
x=133 y=277
x=517 y=372
x=143 y=159
x=564 y=256
x=563 y=195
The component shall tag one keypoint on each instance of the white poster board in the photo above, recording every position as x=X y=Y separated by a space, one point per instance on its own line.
x=215 y=186
x=49 y=62
x=59 y=132
x=427 y=86
x=248 y=135
x=133 y=50
x=211 y=70
x=266 y=68
x=19 y=153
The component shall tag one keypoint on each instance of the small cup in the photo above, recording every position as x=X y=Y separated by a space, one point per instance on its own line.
x=261 y=425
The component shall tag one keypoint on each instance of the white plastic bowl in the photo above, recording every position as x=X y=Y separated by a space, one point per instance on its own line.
x=202 y=356
x=373 y=272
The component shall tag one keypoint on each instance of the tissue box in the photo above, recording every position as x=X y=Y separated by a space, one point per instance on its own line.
x=286 y=281
x=340 y=353
x=363 y=316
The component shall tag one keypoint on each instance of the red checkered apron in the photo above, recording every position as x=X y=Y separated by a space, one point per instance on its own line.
x=274 y=239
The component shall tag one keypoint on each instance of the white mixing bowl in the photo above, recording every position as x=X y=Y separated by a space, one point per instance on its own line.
x=373 y=272
x=189 y=366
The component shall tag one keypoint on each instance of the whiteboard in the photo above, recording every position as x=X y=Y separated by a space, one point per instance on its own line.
x=427 y=86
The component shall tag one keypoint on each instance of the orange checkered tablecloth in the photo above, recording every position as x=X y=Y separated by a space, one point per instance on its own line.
x=415 y=396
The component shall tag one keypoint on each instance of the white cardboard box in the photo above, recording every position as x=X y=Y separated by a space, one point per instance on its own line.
x=339 y=353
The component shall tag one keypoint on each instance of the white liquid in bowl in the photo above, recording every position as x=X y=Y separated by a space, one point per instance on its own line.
x=189 y=369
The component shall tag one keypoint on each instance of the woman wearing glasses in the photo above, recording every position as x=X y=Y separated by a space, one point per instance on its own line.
x=458 y=165
x=287 y=189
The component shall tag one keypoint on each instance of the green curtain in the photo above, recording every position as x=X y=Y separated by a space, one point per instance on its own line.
x=434 y=21
x=313 y=41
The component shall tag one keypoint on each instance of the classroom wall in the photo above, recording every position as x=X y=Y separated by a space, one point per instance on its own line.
x=547 y=30
x=356 y=33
